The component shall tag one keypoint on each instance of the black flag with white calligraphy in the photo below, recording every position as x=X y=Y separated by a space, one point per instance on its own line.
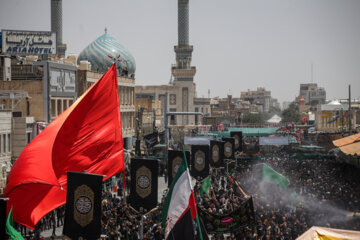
x=83 y=206
x=216 y=153
x=144 y=184
x=199 y=161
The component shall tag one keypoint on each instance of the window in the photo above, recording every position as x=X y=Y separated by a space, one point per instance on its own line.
x=172 y=99
x=172 y=117
x=59 y=107
x=53 y=108
x=122 y=95
x=132 y=96
x=9 y=143
x=27 y=108
x=28 y=137
x=3 y=143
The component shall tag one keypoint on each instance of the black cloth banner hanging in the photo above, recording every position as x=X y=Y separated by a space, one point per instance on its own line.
x=216 y=153
x=83 y=206
x=238 y=140
x=174 y=161
x=162 y=136
x=144 y=184
x=137 y=147
x=151 y=139
x=229 y=145
x=199 y=161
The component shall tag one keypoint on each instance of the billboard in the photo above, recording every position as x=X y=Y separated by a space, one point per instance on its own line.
x=17 y=42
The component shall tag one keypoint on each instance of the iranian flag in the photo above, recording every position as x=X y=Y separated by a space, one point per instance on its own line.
x=179 y=208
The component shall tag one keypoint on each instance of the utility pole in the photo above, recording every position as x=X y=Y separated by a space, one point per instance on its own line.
x=349 y=109
x=166 y=123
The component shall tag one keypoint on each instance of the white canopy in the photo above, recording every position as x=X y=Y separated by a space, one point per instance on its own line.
x=316 y=233
x=274 y=119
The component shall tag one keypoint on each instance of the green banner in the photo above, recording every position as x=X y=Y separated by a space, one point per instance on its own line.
x=271 y=175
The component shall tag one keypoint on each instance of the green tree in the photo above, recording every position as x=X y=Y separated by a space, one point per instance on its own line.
x=253 y=118
x=275 y=110
x=291 y=114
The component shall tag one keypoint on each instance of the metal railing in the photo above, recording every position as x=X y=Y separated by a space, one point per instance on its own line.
x=24 y=72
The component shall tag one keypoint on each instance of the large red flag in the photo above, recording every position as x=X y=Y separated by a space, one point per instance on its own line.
x=87 y=136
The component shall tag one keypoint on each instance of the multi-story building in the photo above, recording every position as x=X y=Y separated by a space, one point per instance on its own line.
x=334 y=117
x=148 y=114
x=260 y=97
x=312 y=94
x=42 y=89
x=202 y=105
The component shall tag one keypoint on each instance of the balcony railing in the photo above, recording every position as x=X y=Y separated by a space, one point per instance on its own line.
x=24 y=72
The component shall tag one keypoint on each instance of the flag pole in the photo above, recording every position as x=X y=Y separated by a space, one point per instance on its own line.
x=197 y=217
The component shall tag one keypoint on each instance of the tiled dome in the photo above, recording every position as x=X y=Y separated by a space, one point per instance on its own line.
x=101 y=53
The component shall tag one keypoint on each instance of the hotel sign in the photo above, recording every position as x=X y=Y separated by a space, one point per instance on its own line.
x=17 y=42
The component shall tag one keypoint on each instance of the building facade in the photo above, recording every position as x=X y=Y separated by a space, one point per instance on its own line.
x=5 y=146
x=149 y=116
x=334 y=117
x=312 y=94
x=261 y=98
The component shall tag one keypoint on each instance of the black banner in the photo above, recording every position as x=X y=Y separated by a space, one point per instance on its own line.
x=137 y=147
x=2 y=217
x=199 y=161
x=243 y=216
x=229 y=145
x=174 y=161
x=238 y=146
x=216 y=153
x=162 y=136
x=144 y=184
x=83 y=206
x=151 y=139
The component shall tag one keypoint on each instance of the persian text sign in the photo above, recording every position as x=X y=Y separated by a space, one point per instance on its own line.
x=28 y=42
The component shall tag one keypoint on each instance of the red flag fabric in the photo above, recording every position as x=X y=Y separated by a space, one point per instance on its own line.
x=86 y=136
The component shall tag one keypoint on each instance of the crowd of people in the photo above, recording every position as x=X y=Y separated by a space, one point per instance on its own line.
x=321 y=192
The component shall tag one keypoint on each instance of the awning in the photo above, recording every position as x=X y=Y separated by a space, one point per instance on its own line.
x=351 y=149
x=328 y=234
x=347 y=140
x=274 y=141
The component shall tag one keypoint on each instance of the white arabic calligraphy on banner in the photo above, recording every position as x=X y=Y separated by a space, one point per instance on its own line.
x=28 y=42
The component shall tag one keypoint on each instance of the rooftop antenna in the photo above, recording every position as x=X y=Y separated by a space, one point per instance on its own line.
x=312 y=73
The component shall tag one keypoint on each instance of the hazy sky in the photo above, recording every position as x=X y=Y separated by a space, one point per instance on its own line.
x=238 y=44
